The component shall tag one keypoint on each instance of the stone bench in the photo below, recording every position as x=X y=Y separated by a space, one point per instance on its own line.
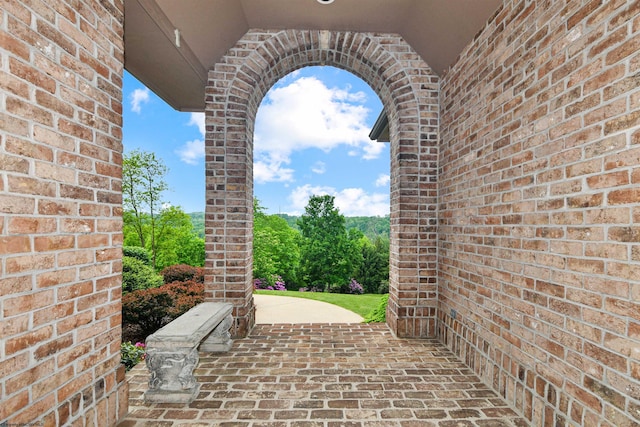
x=172 y=351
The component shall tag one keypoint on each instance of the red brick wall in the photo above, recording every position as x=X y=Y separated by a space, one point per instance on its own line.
x=60 y=231
x=409 y=90
x=539 y=254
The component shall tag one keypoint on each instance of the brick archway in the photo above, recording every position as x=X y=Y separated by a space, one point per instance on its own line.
x=409 y=91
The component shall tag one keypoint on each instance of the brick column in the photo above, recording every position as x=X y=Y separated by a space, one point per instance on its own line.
x=229 y=206
x=60 y=198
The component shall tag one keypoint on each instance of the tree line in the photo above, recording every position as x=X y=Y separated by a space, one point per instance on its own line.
x=320 y=250
x=320 y=253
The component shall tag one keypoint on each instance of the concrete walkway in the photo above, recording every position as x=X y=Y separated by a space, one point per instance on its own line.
x=328 y=375
x=271 y=309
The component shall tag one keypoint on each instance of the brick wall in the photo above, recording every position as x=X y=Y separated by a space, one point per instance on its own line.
x=539 y=254
x=60 y=199
x=409 y=91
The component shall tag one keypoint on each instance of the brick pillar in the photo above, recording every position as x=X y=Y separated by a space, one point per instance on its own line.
x=60 y=198
x=229 y=208
x=413 y=286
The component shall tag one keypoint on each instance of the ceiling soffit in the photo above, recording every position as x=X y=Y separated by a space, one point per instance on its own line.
x=170 y=44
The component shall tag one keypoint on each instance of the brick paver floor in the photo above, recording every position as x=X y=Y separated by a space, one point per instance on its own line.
x=328 y=375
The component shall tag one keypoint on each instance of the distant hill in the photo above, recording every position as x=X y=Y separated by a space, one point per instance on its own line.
x=371 y=226
x=197 y=219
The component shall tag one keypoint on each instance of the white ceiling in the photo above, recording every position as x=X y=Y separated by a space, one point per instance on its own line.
x=437 y=29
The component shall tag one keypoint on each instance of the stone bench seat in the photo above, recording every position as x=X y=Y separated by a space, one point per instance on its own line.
x=172 y=351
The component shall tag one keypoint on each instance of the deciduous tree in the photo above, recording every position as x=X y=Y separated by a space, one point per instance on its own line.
x=275 y=247
x=143 y=182
x=326 y=251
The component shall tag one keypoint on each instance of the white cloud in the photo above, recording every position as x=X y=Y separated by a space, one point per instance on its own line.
x=350 y=201
x=191 y=151
x=319 y=168
x=383 y=180
x=197 y=119
x=139 y=97
x=307 y=114
x=271 y=170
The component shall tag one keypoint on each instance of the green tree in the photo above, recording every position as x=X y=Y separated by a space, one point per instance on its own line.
x=275 y=247
x=143 y=182
x=176 y=241
x=326 y=251
x=373 y=270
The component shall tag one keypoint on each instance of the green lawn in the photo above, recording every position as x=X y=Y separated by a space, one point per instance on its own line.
x=360 y=304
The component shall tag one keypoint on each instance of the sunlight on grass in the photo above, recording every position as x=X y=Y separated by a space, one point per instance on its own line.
x=359 y=304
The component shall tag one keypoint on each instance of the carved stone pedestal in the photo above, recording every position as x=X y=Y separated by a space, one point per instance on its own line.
x=219 y=340
x=172 y=351
x=172 y=379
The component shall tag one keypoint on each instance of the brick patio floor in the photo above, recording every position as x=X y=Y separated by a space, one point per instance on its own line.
x=328 y=375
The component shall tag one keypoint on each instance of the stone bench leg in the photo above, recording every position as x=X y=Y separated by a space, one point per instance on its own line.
x=172 y=379
x=219 y=340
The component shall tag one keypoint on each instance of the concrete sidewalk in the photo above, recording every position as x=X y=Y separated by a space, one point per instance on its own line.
x=274 y=309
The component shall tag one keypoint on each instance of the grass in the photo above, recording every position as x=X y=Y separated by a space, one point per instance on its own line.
x=359 y=304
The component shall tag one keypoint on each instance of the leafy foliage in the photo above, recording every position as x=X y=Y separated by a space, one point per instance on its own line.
x=275 y=248
x=182 y=273
x=137 y=275
x=143 y=182
x=273 y=283
x=326 y=251
x=150 y=309
x=370 y=226
x=137 y=252
x=175 y=239
x=379 y=314
x=186 y=295
x=373 y=269
x=132 y=354
x=177 y=242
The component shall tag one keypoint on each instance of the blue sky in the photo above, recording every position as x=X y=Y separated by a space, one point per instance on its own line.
x=311 y=137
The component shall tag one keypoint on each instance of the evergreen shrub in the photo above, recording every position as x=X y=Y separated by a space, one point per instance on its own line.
x=137 y=275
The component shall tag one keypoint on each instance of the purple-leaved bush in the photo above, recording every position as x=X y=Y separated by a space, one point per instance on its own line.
x=274 y=283
x=355 y=287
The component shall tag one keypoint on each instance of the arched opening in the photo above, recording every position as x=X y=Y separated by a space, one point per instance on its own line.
x=311 y=138
x=235 y=89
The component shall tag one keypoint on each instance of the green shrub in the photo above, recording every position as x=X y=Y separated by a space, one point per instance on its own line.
x=132 y=354
x=137 y=252
x=137 y=275
x=383 y=288
x=378 y=314
x=182 y=273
